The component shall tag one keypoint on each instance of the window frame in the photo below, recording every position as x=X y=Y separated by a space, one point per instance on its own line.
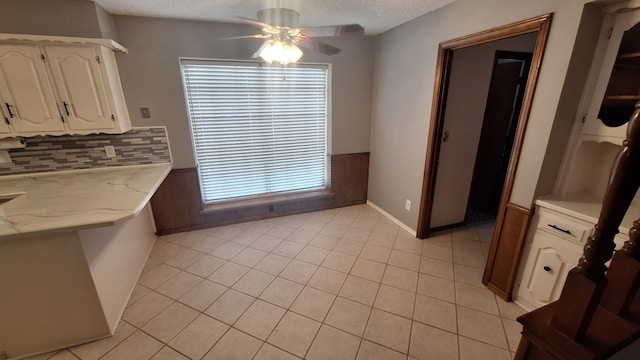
x=265 y=198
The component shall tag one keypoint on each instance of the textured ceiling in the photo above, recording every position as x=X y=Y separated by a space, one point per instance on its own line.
x=376 y=16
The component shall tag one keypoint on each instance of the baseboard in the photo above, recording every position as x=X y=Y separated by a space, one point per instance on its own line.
x=523 y=304
x=392 y=218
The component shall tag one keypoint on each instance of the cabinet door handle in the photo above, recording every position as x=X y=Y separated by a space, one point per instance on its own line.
x=66 y=109
x=559 y=229
x=11 y=114
x=547 y=269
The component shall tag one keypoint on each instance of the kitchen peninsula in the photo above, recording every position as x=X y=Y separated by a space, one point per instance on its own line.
x=72 y=245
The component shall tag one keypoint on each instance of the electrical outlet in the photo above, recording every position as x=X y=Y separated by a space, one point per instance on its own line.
x=407 y=205
x=110 y=151
x=5 y=158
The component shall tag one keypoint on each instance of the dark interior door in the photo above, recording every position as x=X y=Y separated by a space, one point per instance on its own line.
x=504 y=101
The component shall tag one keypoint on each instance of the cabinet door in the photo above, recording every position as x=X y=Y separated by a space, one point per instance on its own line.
x=546 y=270
x=79 y=79
x=613 y=80
x=5 y=129
x=26 y=92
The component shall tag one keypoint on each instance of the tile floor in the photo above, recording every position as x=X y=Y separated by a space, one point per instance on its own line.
x=338 y=284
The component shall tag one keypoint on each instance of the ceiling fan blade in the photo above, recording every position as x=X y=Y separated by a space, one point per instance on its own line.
x=317 y=46
x=328 y=31
x=253 y=22
x=257 y=36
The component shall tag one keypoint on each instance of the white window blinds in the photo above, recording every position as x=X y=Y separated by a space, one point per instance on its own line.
x=257 y=129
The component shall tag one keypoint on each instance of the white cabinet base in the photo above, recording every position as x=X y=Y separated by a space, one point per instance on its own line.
x=69 y=288
x=557 y=234
x=548 y=264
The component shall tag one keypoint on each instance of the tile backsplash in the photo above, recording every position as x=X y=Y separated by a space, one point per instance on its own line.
x=56 y=153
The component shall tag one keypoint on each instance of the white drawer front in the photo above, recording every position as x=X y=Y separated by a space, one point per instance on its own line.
x=565 y=228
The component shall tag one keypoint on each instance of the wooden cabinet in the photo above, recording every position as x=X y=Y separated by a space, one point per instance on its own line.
x=79 y=82
x=617 y=86
x=556 y=246
x=28 y=100
x=65 y=88
x=548 y=263
x=556 y=241
x=610 y=93
x=5 y=130
x=564 y=221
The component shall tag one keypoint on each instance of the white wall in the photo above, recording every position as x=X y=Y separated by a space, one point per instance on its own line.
x=151 y=78
x=403 y=90
x=571 y=108
x=471 y=71
x=80 y=18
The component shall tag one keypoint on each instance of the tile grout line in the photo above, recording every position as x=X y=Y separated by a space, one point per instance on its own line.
x=373 y=306
x=322 y=263
x=287 y=310
x=362 y=338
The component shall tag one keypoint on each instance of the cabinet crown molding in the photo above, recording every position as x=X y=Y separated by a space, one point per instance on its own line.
x=60 y=40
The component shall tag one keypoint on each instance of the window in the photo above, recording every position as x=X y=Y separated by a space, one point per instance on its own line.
x=257 y=129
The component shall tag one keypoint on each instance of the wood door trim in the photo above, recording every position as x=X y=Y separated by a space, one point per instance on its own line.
x=541 y=24
x=441 y=88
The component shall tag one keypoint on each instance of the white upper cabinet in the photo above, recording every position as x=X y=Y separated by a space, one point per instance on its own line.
x=61 y=86
x=80 y=84
x=5 y=130
x=617 y=86
x=27 y=97
x=611 y=90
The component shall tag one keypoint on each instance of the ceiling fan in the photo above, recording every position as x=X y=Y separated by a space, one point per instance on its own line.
x=283 y=36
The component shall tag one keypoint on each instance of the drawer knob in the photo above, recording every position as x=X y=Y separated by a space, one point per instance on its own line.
x=547 y=269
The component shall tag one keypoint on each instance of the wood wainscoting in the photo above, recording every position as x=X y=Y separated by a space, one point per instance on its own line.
x=177 y=205
x=506 y=249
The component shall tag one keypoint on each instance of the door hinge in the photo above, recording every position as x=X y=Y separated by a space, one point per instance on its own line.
x=610 y=33
x=98 y=59
x=113 y=118
x=584 y=118
x=42 y=57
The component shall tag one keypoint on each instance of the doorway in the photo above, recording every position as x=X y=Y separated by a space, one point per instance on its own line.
x=504 y=103
x=538 y=28
x=512 y=219
x=480 y=99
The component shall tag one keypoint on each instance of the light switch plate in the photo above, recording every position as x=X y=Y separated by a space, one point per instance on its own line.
x=144 y=111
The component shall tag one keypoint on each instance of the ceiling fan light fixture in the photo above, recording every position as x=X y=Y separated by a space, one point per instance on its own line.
x=280 y=30
x=279 y=51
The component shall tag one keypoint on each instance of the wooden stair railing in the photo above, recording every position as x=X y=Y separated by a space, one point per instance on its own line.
x=622 y=296
x=598 y=312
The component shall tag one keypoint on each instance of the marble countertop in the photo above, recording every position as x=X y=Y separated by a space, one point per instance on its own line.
x=76 y=200
x=586 y=207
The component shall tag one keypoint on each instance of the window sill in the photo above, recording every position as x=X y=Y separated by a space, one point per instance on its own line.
x=266 y=201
